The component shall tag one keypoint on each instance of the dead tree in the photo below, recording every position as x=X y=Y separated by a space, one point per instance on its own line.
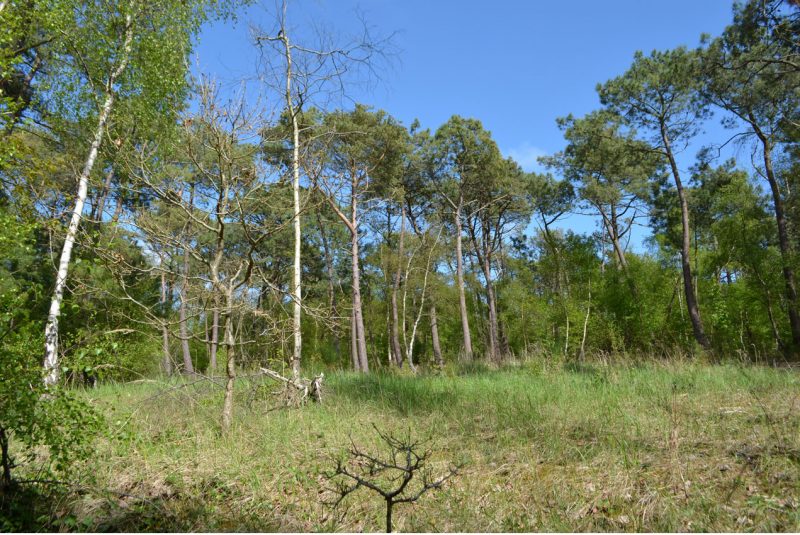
x=304 y=76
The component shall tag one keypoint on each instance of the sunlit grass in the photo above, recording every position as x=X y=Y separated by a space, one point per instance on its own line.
x=580 y=447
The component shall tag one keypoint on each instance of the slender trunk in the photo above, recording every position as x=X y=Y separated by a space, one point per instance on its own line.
x=117 y=210
x=776 y=335
x=354 y=342
x=167 y=363
x=494 y=346
x=297 y=294
x=462 y=298
x=216 y=287
x=389 y=505
x=97 y=211
x=613 y=235
x=783 y=237
x=586 y=324
x=227 y=406
x=395 y=334
x=768 y=301
x=212 y=359
x=483 y=253
x=437 y=348
x=188 y=367
x=51 y=329
x=5 y=458
x=686 y=267
x=421 y=309
x=358 y=317
x=566 y=335
x=612 y=229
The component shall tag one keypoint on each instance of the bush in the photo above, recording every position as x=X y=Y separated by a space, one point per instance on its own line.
x=32 y=416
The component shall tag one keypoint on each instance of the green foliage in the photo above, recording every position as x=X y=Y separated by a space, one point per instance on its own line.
x=30 y=416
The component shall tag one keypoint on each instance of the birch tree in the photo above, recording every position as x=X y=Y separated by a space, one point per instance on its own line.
x=116 y=51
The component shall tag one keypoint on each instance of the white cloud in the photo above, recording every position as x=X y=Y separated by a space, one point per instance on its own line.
x=526 y=154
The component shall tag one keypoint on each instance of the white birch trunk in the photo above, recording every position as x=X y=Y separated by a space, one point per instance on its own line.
x=51 y=329
x=297 y=295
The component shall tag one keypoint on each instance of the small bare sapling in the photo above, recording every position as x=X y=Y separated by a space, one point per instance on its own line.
x=402 y=475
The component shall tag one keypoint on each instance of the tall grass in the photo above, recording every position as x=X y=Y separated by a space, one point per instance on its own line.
x=580 y=447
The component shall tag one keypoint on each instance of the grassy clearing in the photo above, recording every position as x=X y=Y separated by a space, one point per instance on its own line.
x=595 y=448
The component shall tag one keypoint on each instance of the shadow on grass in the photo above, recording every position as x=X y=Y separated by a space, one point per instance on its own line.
x=37 y=508
x=24 y=508
x=405 y=395
x=583 y=368
x=178 y=515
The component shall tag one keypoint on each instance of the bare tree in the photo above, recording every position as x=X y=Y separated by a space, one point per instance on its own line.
x=220 y=148
x=391 y=477
x=310 y=76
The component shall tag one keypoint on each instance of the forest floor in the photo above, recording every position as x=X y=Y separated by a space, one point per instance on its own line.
x=657 y=447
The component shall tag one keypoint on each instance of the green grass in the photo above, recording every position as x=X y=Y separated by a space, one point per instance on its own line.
x=580 y=448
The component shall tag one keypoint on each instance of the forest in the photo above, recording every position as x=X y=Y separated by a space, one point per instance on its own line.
x=222 y=302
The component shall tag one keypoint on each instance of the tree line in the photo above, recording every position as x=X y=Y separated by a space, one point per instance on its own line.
x=156 y=222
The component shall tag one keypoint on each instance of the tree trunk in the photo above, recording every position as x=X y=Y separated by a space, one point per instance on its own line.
x=227 y=406
x=354 y=342
x=783 y=237
x=581 y=355
x=99 y=207
x=358 y=317
x=612 y=230
x=188 y=367
x=494 y=346
x=483 y=252
x=437 y=348
x=389 y=505
x=297 y=294
x=296 y=290
x=331 y=280
x=51 y=328
x=686 y=267
x=462 y=298
x=397 y=352
x=212 y=359
x=167 y=363
x=117 y=210
x=613 y=234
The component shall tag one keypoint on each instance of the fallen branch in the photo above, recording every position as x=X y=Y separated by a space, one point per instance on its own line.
x=305 y=387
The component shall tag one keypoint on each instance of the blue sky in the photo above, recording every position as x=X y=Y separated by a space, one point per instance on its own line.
x=515 y=65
